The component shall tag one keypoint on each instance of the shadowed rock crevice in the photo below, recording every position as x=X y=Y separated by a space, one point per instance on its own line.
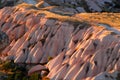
x=4 y=40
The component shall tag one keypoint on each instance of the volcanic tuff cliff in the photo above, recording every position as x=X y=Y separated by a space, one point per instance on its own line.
x=83 y=46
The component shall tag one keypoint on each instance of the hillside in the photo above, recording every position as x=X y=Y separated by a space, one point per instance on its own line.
x=82 y=46
x=76 y=6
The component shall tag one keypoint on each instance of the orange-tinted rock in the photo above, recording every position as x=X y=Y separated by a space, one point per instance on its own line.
x=36 y=69
x=79 y=50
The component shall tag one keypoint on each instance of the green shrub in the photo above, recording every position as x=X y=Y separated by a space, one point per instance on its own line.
x=34 y=76
x=19 y=68
x=10 y=77
x=8 y=65
x=25 y=78
x=50 y=58
x=18 y=76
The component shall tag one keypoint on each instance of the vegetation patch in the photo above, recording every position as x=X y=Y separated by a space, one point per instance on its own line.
x=112 y=19
x=51 y=15
x=12 y=71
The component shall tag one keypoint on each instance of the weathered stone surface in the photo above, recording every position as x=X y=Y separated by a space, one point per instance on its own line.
x=36 y=69
x=75 y=5
x=79 y=48
x=89 y=5
x=4 y=40
x=80 y=9
x=107 y=76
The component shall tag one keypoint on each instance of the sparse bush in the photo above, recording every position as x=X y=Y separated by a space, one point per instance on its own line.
x=50 y=58
x=25 y=78
x=10 y=77
x=34 y=76
x=8 y=65
x=18 y=76
x=19 y=68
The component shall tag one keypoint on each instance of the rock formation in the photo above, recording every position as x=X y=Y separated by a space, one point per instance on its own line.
x=4 y=40
x=36 y=68
x=77 y=6
x=85 y=5
x=81 y=48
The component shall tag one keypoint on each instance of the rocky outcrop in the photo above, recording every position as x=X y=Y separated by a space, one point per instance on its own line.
x=4 y=3
x=97 y=51
x=86 y=5
x=80 y=49
x=77 y=6
x=108 y=76
x=112 y=75
x=4 y=40
x=37 y=68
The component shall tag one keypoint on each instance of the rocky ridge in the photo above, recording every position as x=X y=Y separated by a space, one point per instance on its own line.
x=79 y=49
x=85 y=5
x=76 y=6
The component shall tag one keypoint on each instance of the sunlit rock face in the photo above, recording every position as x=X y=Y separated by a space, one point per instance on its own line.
x=80 y=50
x=33 y=37
x=90 y=52
x=112 y=75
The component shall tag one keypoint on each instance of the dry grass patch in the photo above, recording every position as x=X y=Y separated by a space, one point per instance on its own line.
x=48 y=14
x=112 y=19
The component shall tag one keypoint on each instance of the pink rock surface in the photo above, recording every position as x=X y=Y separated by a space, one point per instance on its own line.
x=36 y=68
x=79 y=50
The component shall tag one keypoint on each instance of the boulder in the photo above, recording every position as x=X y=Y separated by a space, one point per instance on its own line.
x=37 y=68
